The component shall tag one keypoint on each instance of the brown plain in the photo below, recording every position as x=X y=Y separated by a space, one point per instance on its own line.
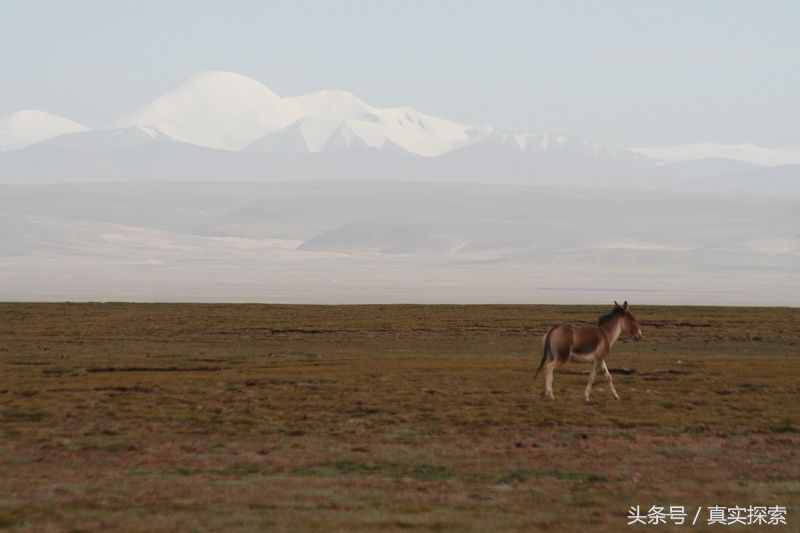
x=385 y=418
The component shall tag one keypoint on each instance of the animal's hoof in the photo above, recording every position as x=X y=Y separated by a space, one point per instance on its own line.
x=616 y=397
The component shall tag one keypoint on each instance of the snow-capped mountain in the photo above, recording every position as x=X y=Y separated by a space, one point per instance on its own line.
x=339 y=120
x=228 y=111
x=424 y=134
x=215 y=109
x=223 y=126
x=26 y=127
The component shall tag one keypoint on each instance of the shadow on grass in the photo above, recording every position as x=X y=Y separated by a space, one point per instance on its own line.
x=522 y=475
x=784 y=426
x=7 y=520
x=422 y=472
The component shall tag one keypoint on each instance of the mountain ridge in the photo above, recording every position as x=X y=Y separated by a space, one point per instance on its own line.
x=223 y=126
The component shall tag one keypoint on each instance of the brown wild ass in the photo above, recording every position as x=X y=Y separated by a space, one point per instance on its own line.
x=586 y=344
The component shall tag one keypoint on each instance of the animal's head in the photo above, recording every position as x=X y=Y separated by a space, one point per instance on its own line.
x=630 y=326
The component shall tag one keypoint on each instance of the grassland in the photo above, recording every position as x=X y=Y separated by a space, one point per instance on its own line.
x=385 y=418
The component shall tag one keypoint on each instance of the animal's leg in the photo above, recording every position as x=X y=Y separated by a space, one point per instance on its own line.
x=592 y=375
x=610 y=381
x=548 y=379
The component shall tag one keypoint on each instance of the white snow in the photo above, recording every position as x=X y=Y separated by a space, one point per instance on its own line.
x=332 y=105
x=354 y=123
x=546 y=142
x=337 y=120
x=420 y=133
x=216 y=109
x=775 y=246
x=750 y=153
x=354 y=131
x=26 y=127
x=229 y=111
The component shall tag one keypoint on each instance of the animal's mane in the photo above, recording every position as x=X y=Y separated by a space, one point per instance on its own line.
x=608 y=316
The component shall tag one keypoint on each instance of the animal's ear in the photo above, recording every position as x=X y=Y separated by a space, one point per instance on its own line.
x=616 y=304
x=625 y=305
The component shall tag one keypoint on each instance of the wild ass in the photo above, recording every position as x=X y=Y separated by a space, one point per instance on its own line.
x=586 y=344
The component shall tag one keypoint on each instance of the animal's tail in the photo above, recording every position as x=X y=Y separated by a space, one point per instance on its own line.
x=545 y=351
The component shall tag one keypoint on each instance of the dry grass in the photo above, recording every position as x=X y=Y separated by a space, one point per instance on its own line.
x=384 y=418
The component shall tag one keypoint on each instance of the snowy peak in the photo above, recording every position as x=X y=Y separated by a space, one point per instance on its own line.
x=336 y=120
x=749 y=153
x=228 y=111
x=548 y=143
x=313 y=134
x=356 y=135
x=423 y=134
x=211 y=82
x=216 y=109
x=333 y=105
x=26 y=127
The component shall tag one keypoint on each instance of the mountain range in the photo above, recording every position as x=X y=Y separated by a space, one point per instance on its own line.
x=222 y=126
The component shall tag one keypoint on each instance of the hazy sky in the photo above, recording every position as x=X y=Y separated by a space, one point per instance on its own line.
x=617 y=72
